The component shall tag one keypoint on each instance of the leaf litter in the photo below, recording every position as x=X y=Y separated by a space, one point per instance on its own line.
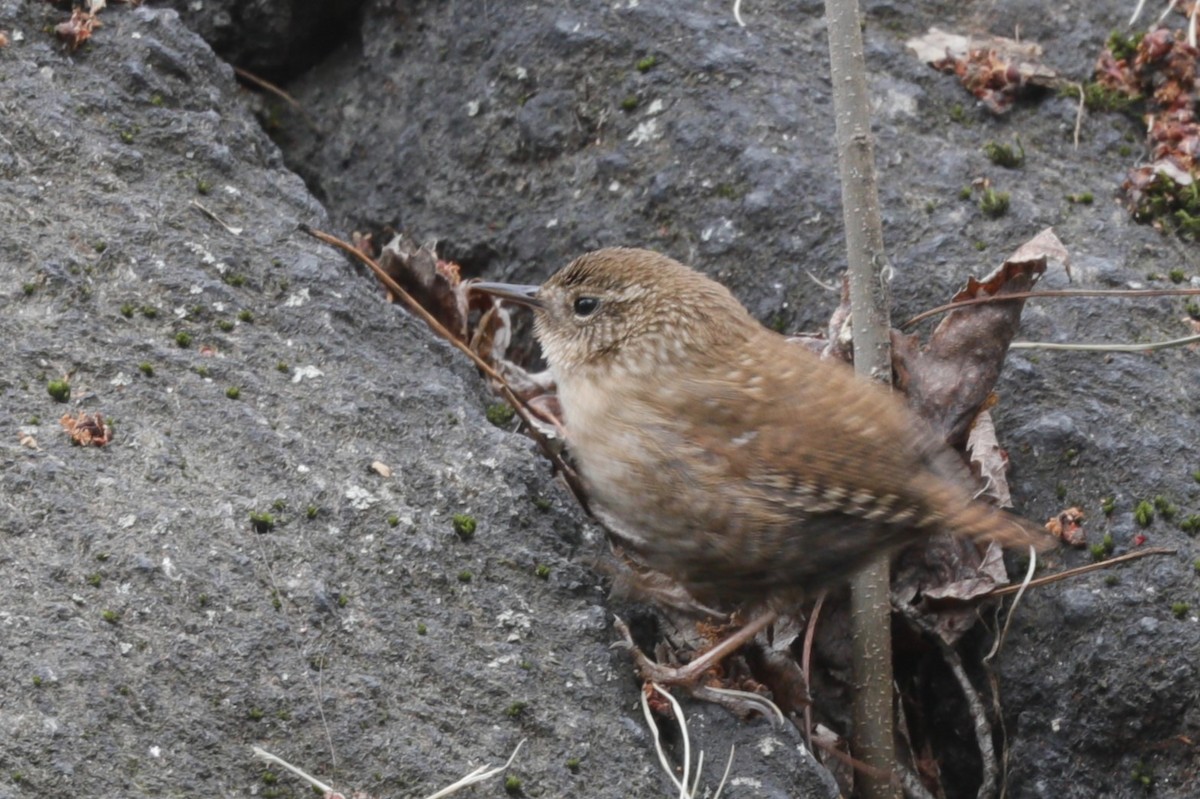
x=1152 y=73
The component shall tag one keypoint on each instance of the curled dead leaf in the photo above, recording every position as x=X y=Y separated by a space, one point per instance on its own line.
x=1067 y=525
x=949 y=379
x=988 y=458
x=436 y=285
x=993 y=68
x=78 y=29
x=87 y=429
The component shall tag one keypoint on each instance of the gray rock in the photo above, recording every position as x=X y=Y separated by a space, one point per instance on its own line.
x=244 y=636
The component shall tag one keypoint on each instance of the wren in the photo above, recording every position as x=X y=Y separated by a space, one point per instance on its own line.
x=740 y=464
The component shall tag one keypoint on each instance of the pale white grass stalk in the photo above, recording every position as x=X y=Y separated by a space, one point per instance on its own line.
x=683 y=731
x=686 y=792
x=1013 y=608
x=263 y=754
x=699 y=769
x=725 y=775
x=478 y=775
x=1163 y=15
x=758 y=699
x=1155 y=345
x=662 y=756
x=1137 y=12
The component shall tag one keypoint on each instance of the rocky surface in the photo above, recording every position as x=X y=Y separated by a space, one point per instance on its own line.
x=154 y=635
x=271 y=39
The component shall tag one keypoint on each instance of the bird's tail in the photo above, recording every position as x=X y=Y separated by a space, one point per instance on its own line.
x=984 y=523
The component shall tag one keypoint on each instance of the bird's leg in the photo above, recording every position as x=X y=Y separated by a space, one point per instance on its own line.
x=689 y=674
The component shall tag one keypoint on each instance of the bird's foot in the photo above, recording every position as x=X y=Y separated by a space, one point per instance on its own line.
x=742 y=703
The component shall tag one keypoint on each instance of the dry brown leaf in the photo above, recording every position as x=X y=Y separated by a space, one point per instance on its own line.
x=87 y=429
x=1163 y=73
x=989 y=459
x=949 y=379
x=78 y=29
x=492 y=333
x=1068 y=527
x=434 y=284
x=993 y=68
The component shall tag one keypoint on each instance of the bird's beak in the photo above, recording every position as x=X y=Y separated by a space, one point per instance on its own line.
x=523 y=295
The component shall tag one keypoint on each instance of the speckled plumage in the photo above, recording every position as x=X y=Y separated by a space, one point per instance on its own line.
x=736 y=462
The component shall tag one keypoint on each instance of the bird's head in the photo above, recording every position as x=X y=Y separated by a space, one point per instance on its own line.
x=631 y=309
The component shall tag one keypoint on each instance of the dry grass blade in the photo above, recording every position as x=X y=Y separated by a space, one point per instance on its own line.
x=1049 y=294
x=234 y=231
x=1069 y=573
x=266 y=85
x=263 y=754
x=725 y=774
x=1137 y=12
x=478 y=775
x=999 y=642
x=810 y=634
x=681 y=783
x=769 y=709
x=1154 y=345
x=683 y=733
x=662 y=756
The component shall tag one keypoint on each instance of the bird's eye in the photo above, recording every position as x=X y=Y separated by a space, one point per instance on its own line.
x=585 y=306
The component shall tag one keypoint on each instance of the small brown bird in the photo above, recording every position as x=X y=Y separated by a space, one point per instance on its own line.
x=740 y=464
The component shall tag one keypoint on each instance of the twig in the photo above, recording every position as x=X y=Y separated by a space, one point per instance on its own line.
x=899 y=775
x=810 y=633
x=1049 y=293
x=437 y=327
x=250 y=77
x=737 y=12
x=998 y=712
x=266 y=85
x=1078 y=570
x=1004 y=749
x=868 y=273
x=983 y=730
